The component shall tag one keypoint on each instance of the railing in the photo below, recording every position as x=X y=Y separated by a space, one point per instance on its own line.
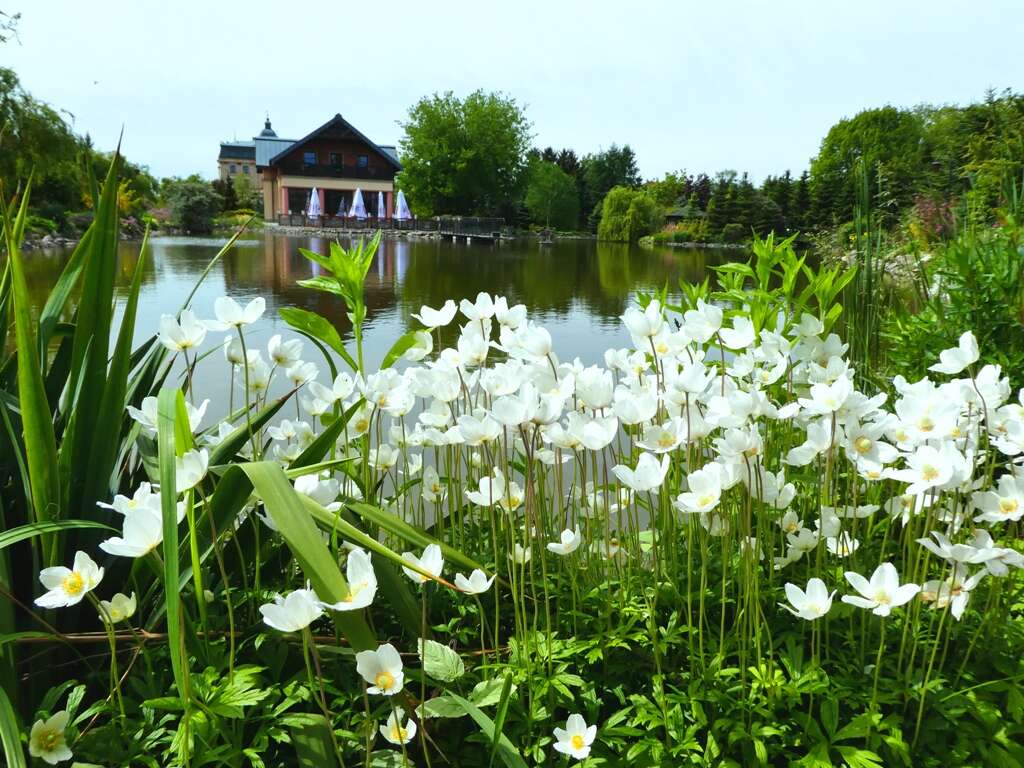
x=469 y=226
x=326 y=170
x=351 y=222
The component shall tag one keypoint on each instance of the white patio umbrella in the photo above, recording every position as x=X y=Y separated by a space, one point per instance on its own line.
x=402 y=211
x=382 y=212
x=313 y=209
x=358 y=209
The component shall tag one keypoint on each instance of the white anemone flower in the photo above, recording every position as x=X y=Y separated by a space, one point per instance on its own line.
x=569 y=541
x=284 y=353
x=705 y=490
x=646 y=322
x=741 y=335
x=953 y=361
x=190 y=468
x=181 y=334
x=141 y=533
x=490 y=490
x=46 y=740
x=520 y=555
x=882 y=593
x=395 y=732
x=576 y=738
x=362 y=583
x=953 y=592
x=481 y=309
x=703 y=322
x=436 y=318
x=476 y=584
x=67 y=586
x=230 y=314
x=648 y=475
x=147 y=415
x=842 y=545
x=422 y=345
x=382 y=669
x=1004 y=504
x=811 y=604
x=431 y=561
x=118 y=608
x=292 y=613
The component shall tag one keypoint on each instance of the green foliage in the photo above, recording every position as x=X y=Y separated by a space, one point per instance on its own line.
x=464 y=156
x=194 y=203
x=627 y=215
x=551 y=196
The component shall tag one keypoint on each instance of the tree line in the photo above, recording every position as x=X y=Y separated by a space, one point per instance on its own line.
x=473 y=156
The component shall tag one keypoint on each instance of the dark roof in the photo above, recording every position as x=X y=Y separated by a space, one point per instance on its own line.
x=237 y=150
x=391 y=150
x=267 y=131
x=344 y=127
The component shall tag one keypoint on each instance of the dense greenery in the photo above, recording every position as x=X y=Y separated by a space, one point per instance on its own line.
x=551 y=196
x=627 y=215
x=464 y=156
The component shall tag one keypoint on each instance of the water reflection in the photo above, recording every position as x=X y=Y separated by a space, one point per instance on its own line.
x=577 y=288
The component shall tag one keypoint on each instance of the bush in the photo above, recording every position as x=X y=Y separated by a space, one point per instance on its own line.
x=194 y=203
x=627 y=215
x=734 y=233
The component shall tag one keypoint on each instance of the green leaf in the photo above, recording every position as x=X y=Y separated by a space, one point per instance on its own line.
x=167 y=408
x=830 y=716
x=27 y=531
x=440 y=706
x=10 y=733
x=487 y=693
x=36 y=418
x=318 y=327
x=102 y=457
x=399 y=348
x=441 y=662
x=292 y=519
x=504 y=749
x=50 y=317
x=325 y=440
x=312 y=742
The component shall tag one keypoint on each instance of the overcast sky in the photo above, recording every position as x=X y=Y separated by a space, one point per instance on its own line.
x=701 y=85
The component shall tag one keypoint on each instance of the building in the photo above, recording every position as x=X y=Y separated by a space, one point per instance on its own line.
x=337 y=160
x=239 y=157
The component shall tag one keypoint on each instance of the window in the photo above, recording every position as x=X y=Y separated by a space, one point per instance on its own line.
x=309 y=158
x=336 y=159
x=245 y=169
x=364 y=161
x=232 y=168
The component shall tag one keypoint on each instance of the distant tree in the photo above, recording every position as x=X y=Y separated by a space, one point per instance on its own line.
x=800 y=207
x=246 y=195
x=193 y=202
x=226 y=189
x=551 y=196
x=614 y=167
x=887 y=141
x=8 y=26
x=671 y=191
x=464 y=156
x=627 y=215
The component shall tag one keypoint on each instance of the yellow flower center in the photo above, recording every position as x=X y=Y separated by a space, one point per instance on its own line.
x=705 y=500
x=384 y=680
x=666 y=440
x=883 y=598
x=362 y=425
x=49 y=741
x=929 y=473
x=398 y=733
x=577 y=742
x=751 y=451
x=926 y=424
x=73 y=583
x=862 y=445
x=1008 y=506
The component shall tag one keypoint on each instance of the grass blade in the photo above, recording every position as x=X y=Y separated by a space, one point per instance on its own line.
x=22 y=532
x=10 y=733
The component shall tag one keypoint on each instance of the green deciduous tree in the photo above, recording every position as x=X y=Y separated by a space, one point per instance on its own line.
x=551 y=196
x=193 y=202
x=464 y=156
x=627 y=215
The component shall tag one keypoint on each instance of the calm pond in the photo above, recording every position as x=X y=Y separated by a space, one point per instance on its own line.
x=575 y=288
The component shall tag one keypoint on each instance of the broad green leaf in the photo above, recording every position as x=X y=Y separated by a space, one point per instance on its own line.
x=293 y=521
x=312 y=742
x=440 y=706
x=441 y=662
x=312 y=324
x=399 y=348
x=487 y=693
x=504 y=748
